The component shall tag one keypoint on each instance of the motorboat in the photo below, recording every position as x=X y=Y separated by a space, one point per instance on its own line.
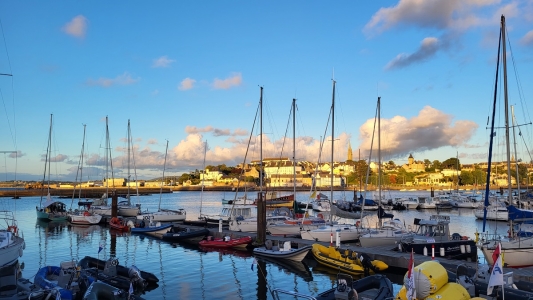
x=11 y=244
x=285 y=252
x=226 y=242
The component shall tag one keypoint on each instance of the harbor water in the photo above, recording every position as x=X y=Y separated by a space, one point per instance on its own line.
x=187 y=271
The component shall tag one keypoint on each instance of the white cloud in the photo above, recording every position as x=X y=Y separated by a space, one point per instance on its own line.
x=77 y=27
x=186 y=84
x=162 y=62
x=124 y=79
x=234 y=80
x=527 y=39
x=449 y=14
x=431 y=129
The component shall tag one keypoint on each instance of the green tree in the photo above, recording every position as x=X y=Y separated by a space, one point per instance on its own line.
x=451 y=163
x=436 y=165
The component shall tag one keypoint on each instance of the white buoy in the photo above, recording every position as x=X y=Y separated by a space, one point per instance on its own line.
x=463 y=250
x=425 y=251
x=468 y=249
x=442 y=251
x=220 y=225
x=338 y=238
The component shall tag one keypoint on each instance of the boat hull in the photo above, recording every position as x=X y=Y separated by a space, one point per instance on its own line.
x=85 y=220
x=11 y=247
x=291 y=254
x=455 y=249
x=518 y=252
x=328 y=233
x=163 y=216
x=241 y=243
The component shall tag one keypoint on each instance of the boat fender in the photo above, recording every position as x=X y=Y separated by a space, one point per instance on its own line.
x=464 y=238
x=146 y=218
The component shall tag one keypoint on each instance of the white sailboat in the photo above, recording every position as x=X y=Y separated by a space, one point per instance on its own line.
x=163 y=215
x=126 y=208
x=50 y=210
x=324 y=233
x=389 y=232
x=82 y=217
x=518 y=250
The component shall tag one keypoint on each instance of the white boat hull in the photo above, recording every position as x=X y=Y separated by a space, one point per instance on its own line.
x=85 y=220
x=289 y=229
x=381 y=238
x=163 y=216
x=495 y=215
x=517 y=252
x=326 y=233
x=11 y=247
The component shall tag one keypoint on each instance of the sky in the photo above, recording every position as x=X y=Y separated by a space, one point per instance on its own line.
x=190 y=72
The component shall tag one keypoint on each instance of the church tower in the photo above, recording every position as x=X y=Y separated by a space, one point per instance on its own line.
x=411 y=159
x=350 y=154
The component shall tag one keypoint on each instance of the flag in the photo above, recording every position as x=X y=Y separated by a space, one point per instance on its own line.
x=313 y=195
x=101 y=247
x=131 y=289
x=411 y=289
x=496 y=276
x=495 y=254
x=253 y=263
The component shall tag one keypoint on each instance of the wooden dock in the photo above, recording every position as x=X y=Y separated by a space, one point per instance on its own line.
x=396 y=260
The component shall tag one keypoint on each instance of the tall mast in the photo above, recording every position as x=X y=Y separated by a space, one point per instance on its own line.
x=506 y=102
x=294 y=147
x=129 y=146
x=261 y=142
x=81 y=161
x=107 y=156
x=203 y=178
x=379 y=156
x=332 y=135
x=163 y=179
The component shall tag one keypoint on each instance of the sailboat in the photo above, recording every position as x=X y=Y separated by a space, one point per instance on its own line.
x=163 y=215
x=50 y=210
x=278 y=215
x=125 y=208
x=84 y=217
x=325 y=233
x=388 y=232
x=290 y=227
x=518 y=250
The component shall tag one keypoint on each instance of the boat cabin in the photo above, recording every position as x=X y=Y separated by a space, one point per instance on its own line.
x=437 y=228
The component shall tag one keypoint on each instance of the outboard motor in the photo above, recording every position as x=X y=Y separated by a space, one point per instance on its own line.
x=135 y=275
x=110 y=267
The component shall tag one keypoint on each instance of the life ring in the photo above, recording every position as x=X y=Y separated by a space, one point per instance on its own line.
x=147 y=218
x=13 y=229
x=114 y=220
x=86 y=213
x=114 y=262
x=321 y=216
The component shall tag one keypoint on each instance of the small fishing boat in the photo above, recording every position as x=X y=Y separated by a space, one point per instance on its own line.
x=226 y=242
x=152 y=228
x=185 y=234
x=287 y=252
x=347 y=261
x=118 y=223
x=434 y=235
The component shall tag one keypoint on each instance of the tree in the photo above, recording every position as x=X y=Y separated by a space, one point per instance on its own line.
x=451 y=163
x=435 y=165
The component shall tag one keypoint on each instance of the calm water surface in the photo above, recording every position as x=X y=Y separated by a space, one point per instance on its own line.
x=186 y=271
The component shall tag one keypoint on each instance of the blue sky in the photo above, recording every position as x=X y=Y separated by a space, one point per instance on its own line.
x=189 y=72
